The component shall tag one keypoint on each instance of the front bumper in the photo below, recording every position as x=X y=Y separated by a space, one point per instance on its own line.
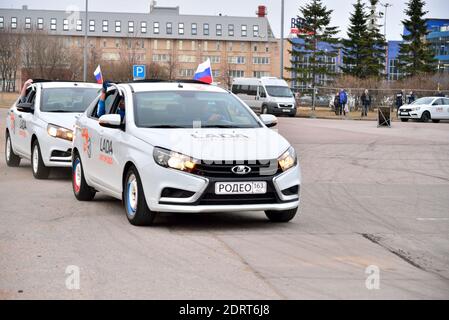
x=409 y=115
x=204 y=200
x=55 y=152
x=278 y=109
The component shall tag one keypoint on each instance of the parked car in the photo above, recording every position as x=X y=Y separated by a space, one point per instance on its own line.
x=425 y=109
x=184 y=147
x=41 y=128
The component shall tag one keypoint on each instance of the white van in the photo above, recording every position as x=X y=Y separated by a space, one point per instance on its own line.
x=266 y=95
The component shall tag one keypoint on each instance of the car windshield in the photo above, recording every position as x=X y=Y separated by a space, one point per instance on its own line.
x=191 y=109
x=279 y=92
x=423 y=101
x=67 y=100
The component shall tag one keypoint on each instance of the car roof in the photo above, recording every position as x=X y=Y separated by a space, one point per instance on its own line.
x=63 y=84
x=173 y=86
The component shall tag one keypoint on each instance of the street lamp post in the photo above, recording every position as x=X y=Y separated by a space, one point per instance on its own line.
x=386 y=6
x=282 y=40
x=86 y=25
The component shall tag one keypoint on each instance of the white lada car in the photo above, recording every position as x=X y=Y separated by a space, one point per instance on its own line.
x=184 y=147
x=425 y=109
x=40 y=126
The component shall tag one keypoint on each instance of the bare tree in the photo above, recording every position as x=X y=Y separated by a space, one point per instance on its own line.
x=9 y=58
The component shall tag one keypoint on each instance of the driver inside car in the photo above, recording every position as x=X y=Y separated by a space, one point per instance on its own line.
x=101 y=111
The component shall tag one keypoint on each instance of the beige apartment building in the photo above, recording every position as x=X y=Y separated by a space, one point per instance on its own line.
x=236 y=46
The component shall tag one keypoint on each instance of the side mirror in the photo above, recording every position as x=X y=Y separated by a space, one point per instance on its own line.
x=269 y=120
x=113 y=121
x=25 y=107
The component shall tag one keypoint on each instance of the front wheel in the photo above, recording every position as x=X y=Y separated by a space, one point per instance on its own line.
x=425 y=117
x=81 y=189
x=136 y=207
x=40 y=171
x=281 y=216
x=12 y=160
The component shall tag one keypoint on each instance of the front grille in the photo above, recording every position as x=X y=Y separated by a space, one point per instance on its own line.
x=285 y=106
x=224 y=169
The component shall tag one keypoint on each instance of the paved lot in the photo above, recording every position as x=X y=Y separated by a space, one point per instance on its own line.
x=370 y=197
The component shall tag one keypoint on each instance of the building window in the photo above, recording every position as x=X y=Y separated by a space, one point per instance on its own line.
x=237 y=60
x=181 y=28
x=40 y=23
x=27 y=23
x=53 y=24
x=169 y=28
x=219 y=30
x=65 y=25
x=161 y=58
x=218 y=46
x=130 y=26
x=168 y=45
x=256 y=31
x=156 y=27
x=261 y=60
x=143 y=27
x=237 y=73
x=244 y=30
x=92 y=25
x=194 y=29
x=79 y=25
x=105 y=26
x=206 y=29
x=193 y=45
x=13 y=23
x=261 y=74
x=186 y=73
x=180 y=45
x=117 y=43
x=2 y=22
x=231 y=30
x=213 y=59
x=118 y=26
x=187 y=59
x=155 y=42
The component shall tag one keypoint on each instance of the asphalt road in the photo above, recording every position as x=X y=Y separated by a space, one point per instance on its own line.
x=370 y=197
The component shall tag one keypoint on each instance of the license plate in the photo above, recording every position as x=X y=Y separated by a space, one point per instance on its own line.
x=223 y=188
x=404 y=113
x=286 y=110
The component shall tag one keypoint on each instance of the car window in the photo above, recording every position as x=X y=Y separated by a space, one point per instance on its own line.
x=191 y=109
x=109 y=102
x=69 y=100
x=446 y=102
x=438 y=102
x=279 y=92
x=423 y=101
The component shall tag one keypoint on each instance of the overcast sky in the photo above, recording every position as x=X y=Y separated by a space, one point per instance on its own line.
x=342 y=9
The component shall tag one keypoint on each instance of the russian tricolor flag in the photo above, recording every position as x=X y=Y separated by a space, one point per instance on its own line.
x=98 y=75
x=204 y=72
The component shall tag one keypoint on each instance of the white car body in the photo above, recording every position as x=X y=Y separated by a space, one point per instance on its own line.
x=254 y=92
x=107 y=153
x=26 y=127
x=437 y=108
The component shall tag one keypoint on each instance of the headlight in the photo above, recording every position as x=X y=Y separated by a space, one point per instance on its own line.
x=416 y=109
x=288 y=159
x=170 y=159
x=59 y=132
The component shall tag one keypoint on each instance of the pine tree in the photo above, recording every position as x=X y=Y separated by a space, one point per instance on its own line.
x=310 y=62
x=355 y=47
x=376 y=47
x=415 y=55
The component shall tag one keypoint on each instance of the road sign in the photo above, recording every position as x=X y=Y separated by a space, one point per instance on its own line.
x=139 y=72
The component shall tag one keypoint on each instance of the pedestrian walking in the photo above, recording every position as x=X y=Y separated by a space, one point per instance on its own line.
x=366 y=103
x=343 y=101
x=399 y=99
x=337 y=106
x=411 y=97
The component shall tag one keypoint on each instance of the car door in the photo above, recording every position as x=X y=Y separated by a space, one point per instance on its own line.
x=110 y=152
x=91 y=136
x=23 y=125
x=446 y=108
x=437 y=109
x=261 y=98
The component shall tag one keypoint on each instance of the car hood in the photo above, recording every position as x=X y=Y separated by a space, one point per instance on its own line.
x=65 y=120
x=283 y=100
x=218 y=144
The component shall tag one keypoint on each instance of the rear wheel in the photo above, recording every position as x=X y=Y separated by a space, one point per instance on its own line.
x=425 y=117
x=404 y=120
x=281 y=216
x=40 y=171
x=12 y=160
x=81 y=189
x=136 y=207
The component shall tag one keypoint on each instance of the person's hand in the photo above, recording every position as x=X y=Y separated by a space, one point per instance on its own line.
x=28 y=83
x=106 y=85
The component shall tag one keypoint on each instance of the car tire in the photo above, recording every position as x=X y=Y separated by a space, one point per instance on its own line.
x=425 y=117
x=81 y=190
x=293 y=115
x=136 y=207
x=281 y=216
x=436 y=121
x=40 y=171
x=404 y=120
x=12 y=160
